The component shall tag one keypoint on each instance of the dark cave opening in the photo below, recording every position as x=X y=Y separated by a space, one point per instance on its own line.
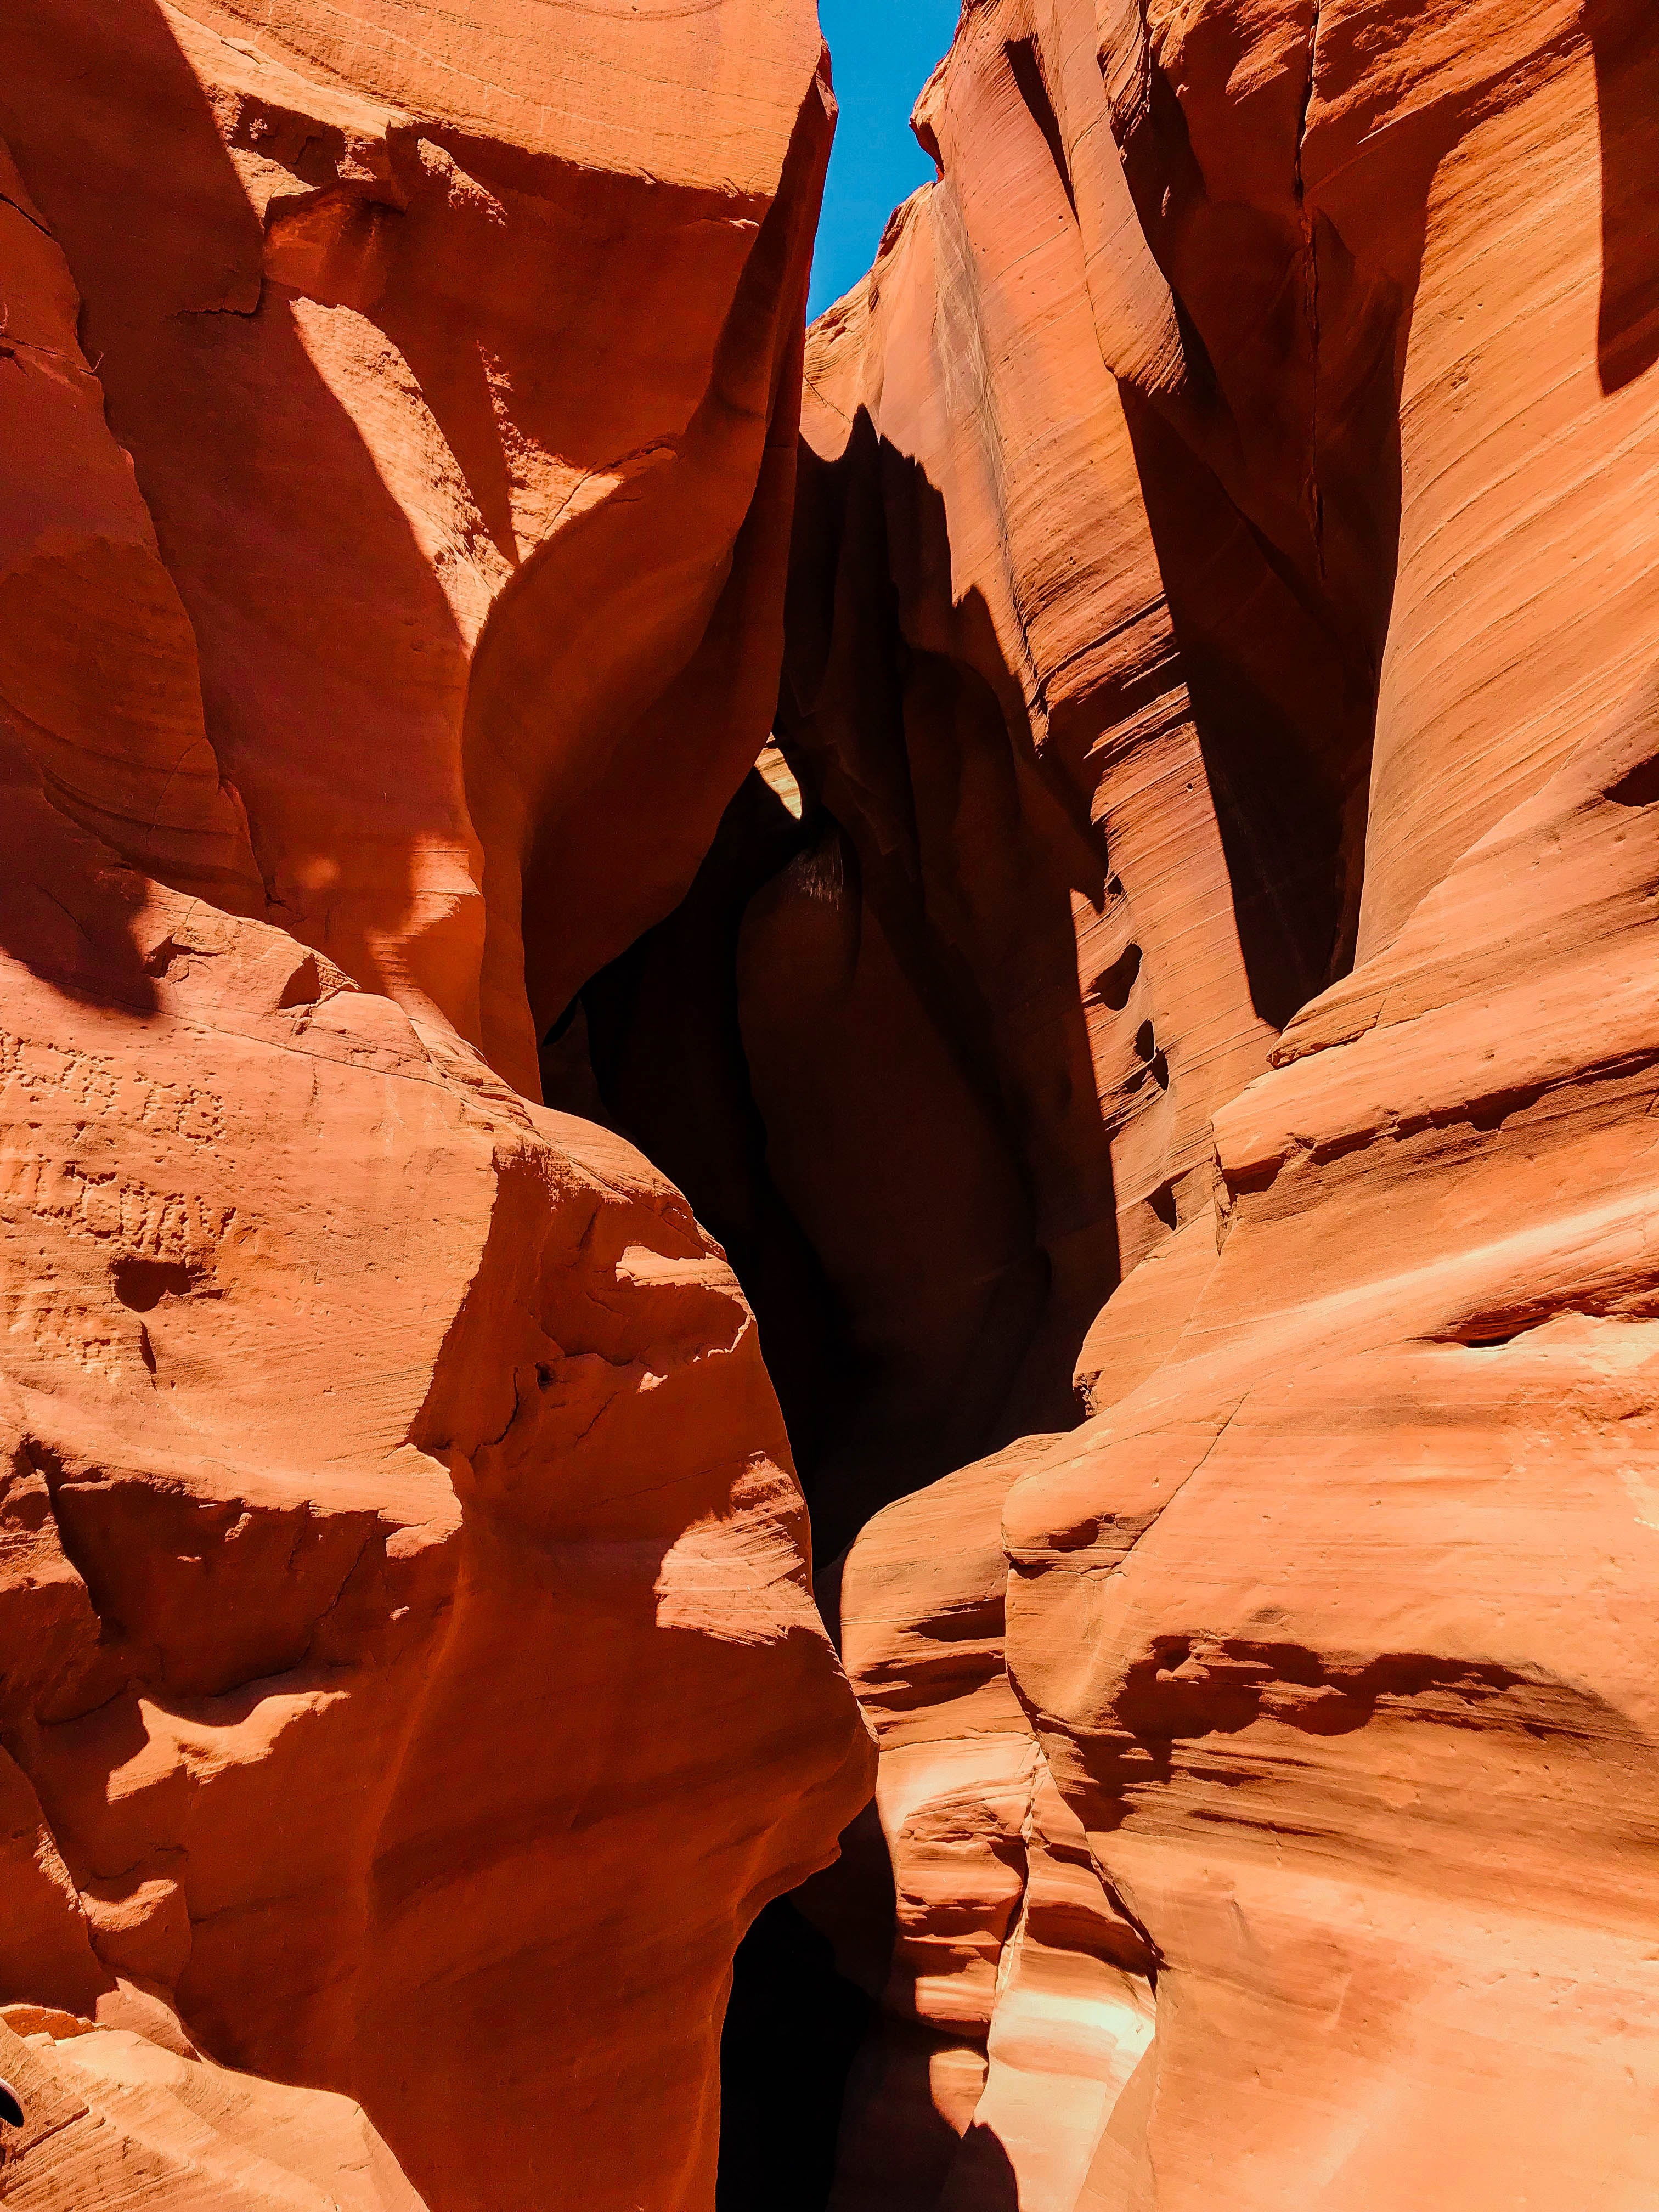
x=793 y=2027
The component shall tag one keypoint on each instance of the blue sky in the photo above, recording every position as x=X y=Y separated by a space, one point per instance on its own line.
x=883 y=51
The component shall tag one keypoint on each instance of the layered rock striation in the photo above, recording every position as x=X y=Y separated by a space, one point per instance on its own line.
x=1016 y=1997
x=119 y=2115
x=1154 y=1061
x=1333 y=1629
x=488 y=368
x=1327 y=1627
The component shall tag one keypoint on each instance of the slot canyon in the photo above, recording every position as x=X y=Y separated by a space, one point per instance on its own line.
x=828 y=1155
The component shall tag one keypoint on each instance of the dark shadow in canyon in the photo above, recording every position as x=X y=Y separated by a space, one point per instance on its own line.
x=982 y=2178
x=1627 y=51
x=906 y=724
x=1283 y=714
x=65 y=912
x=860 y=1045
x=1270 y=471
x=655 y=1046
x=793 y=2027
x=832 y=1046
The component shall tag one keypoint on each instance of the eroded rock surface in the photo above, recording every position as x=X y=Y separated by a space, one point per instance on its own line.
x=1016 y=2000
x=382 y=1450
x=1334 y=1630
x=1186 y=960
x=411 y=1676
x=119 y=2115
x=487 y=368
x=1330 y=1627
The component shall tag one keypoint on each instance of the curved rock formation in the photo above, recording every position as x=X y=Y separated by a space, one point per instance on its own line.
x=1330 y=1625
x=411 y=1669
x=1185 y=966
x=1333 y=1630
x=382 y=1451
x=462 y=390
x=1017 y=2004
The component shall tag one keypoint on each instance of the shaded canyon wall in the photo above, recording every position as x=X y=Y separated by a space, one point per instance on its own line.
x=1258 y=422
x=412 y=1687
x=1037 y=903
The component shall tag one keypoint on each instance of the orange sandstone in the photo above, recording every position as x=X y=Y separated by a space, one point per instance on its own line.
x=1185 y=964
x=1331 y=1625
x=412 y=1675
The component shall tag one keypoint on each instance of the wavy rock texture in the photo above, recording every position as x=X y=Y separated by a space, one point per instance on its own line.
x=411 y=1669
x=1077 y=767
x=1329 y=1627
x=352 y=1520
x=1188 y=957
x=1334 y=1629
x=114 y=2115
x=488 y=367
x=1016 y=2005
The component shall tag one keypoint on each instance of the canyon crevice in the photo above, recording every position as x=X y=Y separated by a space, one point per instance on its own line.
x=831 y=1359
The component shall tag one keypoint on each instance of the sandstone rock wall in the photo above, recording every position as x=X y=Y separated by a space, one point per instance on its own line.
x=486 y=367
x=1334 y=1629
x=1186 y=960
x=1329 y=1627
x=1017 y=1997
x=410 y=1671
x=1082 y=762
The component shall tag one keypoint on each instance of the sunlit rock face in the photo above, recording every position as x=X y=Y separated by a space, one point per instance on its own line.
x=1015 y=1996
x=1040 y=899
x=458 y=365
x=411 y=1684
x=135 y=2115
x=1263 y=406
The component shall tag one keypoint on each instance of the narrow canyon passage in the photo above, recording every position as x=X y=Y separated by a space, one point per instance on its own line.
x=1067 y=815
x=830 y=1354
